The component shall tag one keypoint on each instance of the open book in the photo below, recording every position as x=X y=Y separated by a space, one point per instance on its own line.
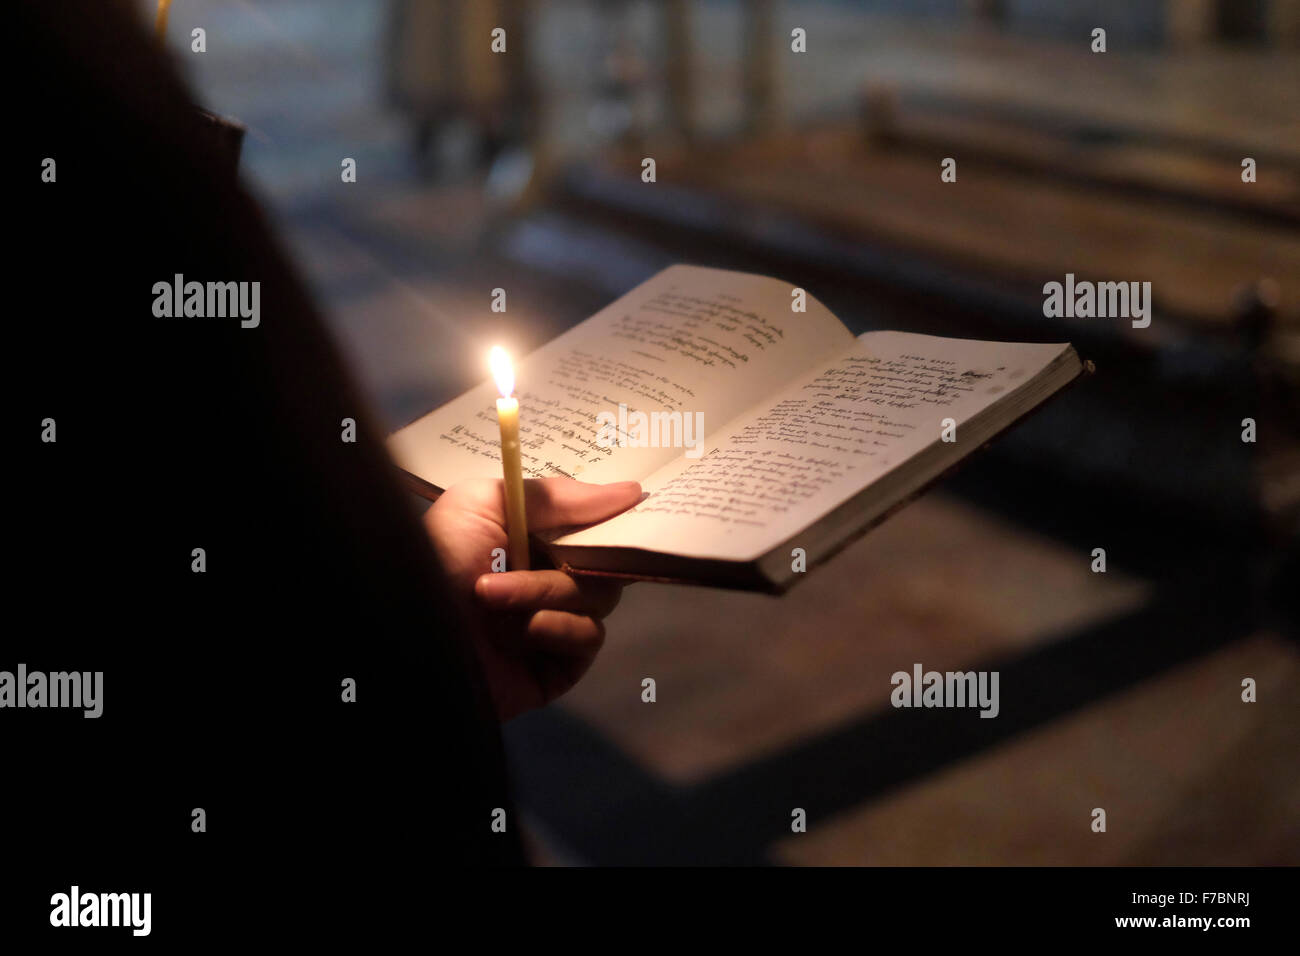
x=755 y=428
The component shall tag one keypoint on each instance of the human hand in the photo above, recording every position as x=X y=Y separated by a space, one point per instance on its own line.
x=536 y=632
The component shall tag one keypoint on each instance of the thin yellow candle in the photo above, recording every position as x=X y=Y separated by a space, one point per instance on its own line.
x=512 y=468
x=160 y=21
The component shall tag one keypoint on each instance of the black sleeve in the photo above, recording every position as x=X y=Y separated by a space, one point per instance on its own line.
x=221 y=689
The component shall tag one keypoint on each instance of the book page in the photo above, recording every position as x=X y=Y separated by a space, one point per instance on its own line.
x=703 y=343
x=856 y=416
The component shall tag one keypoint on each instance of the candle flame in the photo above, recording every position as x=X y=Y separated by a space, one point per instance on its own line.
x=502 y=371
x=160 y=21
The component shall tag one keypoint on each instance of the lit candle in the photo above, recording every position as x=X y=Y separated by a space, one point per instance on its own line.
x=512 y=469
x=160 y=21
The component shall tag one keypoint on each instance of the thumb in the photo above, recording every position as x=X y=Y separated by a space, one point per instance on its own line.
x=557 y=502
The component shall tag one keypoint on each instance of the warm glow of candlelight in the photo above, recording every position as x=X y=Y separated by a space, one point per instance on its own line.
x=160 y=21
x=503 y=373
x=511 y=463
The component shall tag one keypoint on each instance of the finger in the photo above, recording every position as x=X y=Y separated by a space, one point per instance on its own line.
x=534 y=590
x=570 y=635
x=564 y=647
x=557 y=502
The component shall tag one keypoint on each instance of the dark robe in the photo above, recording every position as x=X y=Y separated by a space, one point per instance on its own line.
x=222 y=689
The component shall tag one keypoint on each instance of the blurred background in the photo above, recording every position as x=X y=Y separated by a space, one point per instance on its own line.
x=522 y=170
